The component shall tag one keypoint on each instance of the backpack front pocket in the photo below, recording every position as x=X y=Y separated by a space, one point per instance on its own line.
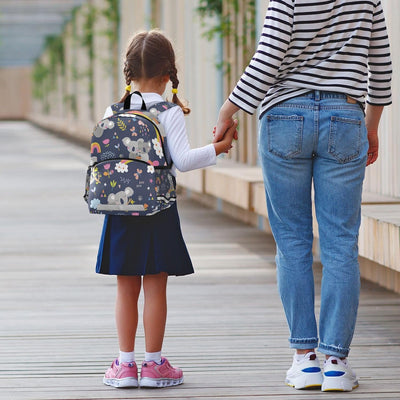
x=123 y=187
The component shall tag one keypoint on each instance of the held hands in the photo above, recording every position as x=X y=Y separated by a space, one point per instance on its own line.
x=221 y=128
x=224 y=144
x=226 y=123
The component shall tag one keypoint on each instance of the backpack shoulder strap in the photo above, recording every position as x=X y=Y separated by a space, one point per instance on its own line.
x=117 y=107
x=155 y=109
x=158 y=108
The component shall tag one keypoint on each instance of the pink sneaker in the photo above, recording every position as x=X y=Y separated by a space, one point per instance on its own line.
x=160 y=375
x=121 y=375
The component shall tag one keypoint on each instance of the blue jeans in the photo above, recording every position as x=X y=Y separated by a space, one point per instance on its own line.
x=319 y=138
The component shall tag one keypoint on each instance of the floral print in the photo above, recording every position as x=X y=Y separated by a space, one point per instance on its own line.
x=158 y=148
x=121 y=167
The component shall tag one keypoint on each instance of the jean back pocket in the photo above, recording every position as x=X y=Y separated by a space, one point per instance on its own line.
x=285 y=135
x=344 y=138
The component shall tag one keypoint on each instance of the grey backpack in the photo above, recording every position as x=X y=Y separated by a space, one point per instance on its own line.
x=130 y=170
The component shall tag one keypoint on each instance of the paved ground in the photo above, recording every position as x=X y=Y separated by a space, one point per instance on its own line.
x=225 y=327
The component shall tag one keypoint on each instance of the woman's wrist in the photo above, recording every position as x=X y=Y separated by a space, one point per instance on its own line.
x=227 y=111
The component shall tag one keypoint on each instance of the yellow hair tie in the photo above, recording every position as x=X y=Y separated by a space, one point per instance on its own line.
x=128 y=88
x=175 y=91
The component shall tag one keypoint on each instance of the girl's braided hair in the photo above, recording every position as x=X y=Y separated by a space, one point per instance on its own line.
x=150 y=55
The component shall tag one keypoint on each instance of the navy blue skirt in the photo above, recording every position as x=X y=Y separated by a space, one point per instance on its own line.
x=143 y=245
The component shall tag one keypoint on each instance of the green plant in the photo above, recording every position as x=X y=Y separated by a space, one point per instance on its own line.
x=209 y=8
x=213 y=9
x=54 y=46
x=218 y=23
x=72 y=97
x=111 y=13
x=45 y=73
x=87 y=40
x=39 y=75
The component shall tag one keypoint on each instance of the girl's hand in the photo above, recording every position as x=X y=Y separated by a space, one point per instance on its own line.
x=373 y=147
x=225 y=144
x=225 y=121
x=221 y=128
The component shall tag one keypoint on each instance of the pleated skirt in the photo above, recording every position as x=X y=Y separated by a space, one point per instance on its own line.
x=143 y=245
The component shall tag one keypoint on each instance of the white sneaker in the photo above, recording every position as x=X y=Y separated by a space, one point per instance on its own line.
x=306 y=373
x=338 y=376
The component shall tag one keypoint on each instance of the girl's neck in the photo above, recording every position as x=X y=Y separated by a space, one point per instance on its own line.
x=154 y=85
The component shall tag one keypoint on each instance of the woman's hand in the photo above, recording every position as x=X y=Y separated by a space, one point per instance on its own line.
x=373 y=147
x=225 y=144
x=372 y=118
x=225 y=121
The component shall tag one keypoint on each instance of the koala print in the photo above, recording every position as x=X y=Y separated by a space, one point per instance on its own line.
x=102 y=126
x=120 y=198
x=138 y=149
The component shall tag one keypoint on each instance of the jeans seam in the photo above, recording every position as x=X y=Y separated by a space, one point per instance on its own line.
x=303 y=340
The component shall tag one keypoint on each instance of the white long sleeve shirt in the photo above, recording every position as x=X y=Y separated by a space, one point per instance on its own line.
x=330 y=45
x=184 y=158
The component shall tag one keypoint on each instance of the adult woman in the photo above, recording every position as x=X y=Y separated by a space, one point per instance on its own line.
x=316 y=65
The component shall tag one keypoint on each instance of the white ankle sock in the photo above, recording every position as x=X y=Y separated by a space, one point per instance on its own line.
x=126 y=356
x=156 y=357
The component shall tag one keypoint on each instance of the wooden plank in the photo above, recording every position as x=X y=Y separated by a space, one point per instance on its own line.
x=193 y=180
x=226 y=326
x=232 y=182
x=376 y=198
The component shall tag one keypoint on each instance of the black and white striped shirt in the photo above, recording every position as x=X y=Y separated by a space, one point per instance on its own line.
x=330 y=45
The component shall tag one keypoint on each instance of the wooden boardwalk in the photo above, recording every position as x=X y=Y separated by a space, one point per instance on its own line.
x=225 y=327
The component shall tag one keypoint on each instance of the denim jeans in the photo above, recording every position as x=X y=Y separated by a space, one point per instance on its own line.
x=317 y=139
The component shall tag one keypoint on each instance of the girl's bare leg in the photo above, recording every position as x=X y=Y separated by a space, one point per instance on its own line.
x=126 y=310
x=155 y=310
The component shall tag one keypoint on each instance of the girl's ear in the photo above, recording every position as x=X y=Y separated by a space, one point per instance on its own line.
x=165 y=79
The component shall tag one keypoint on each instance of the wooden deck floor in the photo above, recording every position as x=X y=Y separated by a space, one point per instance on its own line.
x=225 y=328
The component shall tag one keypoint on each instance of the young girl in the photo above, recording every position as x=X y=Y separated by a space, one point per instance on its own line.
x=145 y=250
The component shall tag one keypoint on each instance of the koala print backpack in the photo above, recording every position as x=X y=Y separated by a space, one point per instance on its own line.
x=130 y=171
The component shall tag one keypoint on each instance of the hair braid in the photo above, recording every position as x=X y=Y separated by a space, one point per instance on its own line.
x=128 y=80
x=173 y=76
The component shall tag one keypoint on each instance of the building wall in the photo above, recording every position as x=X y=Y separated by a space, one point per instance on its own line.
x=15 y=101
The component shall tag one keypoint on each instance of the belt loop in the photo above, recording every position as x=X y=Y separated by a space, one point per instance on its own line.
x=317 y=95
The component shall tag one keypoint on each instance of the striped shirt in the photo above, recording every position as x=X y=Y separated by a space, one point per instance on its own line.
x=330 y=45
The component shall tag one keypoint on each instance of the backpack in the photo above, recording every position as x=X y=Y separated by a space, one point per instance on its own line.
x=130 y=169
